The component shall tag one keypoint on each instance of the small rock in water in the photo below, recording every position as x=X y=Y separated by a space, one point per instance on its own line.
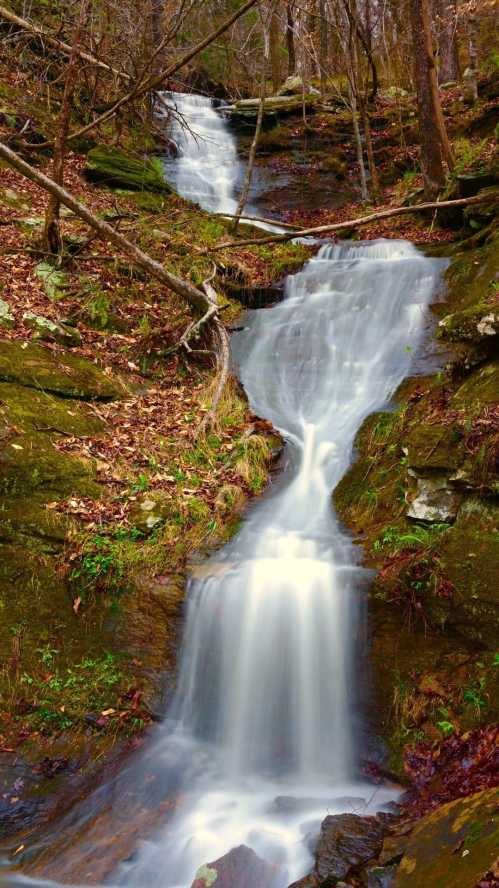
x=346 y=842
x=241 y=867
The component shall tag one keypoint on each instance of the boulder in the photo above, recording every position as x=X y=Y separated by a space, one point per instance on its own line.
x=241 y=867
x=346 y=843
x=292 y=86
x=51 y=331
x=113 y=167
x=68 y=376
x=6 y=317
x=478 y=325
x=454 y=846
x=435 y=501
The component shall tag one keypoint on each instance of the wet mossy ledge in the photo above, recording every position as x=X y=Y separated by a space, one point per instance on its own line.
x=422 y=498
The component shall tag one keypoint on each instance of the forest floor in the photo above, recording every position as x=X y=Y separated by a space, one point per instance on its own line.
x=105 y=556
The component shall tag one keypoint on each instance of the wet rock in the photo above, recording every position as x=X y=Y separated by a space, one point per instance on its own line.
x=346 y=843
x=113 y=167
x=393 y=849
x=241 y=867
x=66 y=375
x=434 y=502
x=51 y=331
x=6 y=317
x=381 y=876
x=453 y=846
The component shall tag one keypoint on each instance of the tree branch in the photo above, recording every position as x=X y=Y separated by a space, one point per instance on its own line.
x=353 y=223
x=196 y=298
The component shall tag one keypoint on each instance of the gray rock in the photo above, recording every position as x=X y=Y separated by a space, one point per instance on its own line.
x=292 y=86
x=52 y=331
x=435 y=501
x=6 y=317
x=381 y=876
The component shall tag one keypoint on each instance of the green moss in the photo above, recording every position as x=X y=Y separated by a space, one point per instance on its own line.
x=113 y=167
x=29 y=463
x=479 y=390
x=31 y=410
x=474 y=325
x=66 y=375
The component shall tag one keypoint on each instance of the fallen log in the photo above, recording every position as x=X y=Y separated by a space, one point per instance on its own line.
x=198 y=299
x=353 y=223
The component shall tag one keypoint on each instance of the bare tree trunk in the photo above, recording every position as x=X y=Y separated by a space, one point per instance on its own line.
x=275 y=58
x=447 y=41
x=51 y=233
x=435 y=147
x=183 y=288
x=373 y=172
x=358 y=145
x=251 y=160
x=471 y=72
x=323 y=44
x=290 y=37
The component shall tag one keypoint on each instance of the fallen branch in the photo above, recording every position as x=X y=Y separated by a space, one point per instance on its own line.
x=64 y=48
x=222 y=351
x=258 y=219
x=198 y=299
x=353 y=223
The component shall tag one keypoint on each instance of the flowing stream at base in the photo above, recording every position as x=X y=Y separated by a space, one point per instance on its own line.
x=262 y=734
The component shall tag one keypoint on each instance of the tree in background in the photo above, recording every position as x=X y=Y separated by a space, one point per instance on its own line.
x=435 y=145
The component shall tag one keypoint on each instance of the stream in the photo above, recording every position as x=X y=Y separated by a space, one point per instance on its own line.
x=263 y=738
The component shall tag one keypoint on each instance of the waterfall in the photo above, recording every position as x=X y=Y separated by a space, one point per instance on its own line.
x=261 y=735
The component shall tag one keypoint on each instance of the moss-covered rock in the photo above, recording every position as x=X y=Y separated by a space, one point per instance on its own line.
x=66 y=375
x=6 y=317
x=480 y=389
x=29 y=410
x=430 y=447
x=113 y=167
x=29 y=463
x=51 y=331
x=455 y=846
x=478 y=325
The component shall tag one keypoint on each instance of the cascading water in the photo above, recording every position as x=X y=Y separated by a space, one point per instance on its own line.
x=261 y=734
x=207 y=168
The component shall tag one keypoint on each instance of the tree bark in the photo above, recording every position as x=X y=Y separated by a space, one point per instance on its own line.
x=197 y=299
x=373 y=172
x=447 y=41
x=51 y=233
x=354 y=223
x=275 y=58
x=435 y=147
x=471 y=72
x=290 y=37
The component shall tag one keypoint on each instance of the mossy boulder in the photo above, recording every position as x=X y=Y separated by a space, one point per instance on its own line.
x=479 y=390
x=27 y=522
x=455 y=846
x=430 y=447
x=113 y=167
x=478 y=325
x=6 y=316
x=29 y=410
x=29 y=463
x=274 y=107
x=66 y=375
x=151 y=511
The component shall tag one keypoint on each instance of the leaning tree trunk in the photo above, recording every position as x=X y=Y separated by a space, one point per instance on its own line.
x=358 y=145
x=252 y=155
x=435 y=147
x=373 y=172
x=52 y=240
x=447 y=40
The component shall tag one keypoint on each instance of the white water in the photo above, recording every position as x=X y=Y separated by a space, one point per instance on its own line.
x=267 y=687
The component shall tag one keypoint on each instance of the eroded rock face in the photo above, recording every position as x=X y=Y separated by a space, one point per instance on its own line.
x=346 y=843
x=456 y=845
x=241 y=867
